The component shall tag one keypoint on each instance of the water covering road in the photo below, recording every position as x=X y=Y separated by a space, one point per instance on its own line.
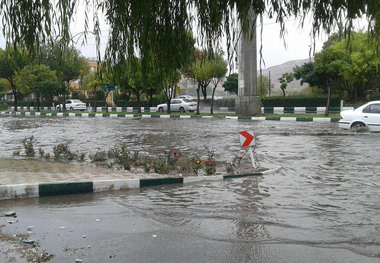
x=321 y=206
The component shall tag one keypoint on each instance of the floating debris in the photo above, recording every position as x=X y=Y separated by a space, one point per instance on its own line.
x=31 y=242
x=10 y=213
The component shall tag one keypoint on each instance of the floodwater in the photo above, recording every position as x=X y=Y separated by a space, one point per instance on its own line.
x=322 y=205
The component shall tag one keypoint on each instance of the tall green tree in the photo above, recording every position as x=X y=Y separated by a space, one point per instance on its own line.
x=285 y=79
x=263 y=84
x=201 y=72
x=11 y=62
x=37 y=79
x=131 y=79
x=67 y=62
x=219 y=70
x=349 y=73
x=232 y=83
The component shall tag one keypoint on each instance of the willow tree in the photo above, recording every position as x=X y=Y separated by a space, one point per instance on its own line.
x=159 y=25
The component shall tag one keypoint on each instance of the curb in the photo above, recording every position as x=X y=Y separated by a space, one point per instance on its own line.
x=43 y=189
x=147 y=116
x=271 y=110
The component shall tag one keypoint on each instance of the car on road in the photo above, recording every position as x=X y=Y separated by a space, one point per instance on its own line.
x=72 y=105
x=367 y=115
x=181 y=105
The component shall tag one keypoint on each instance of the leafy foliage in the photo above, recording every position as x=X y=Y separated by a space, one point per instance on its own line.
x=38 y=79
x=231 y=84
x=11 y=62
x=285 y=79
x=347 y=73
x=28 y=146
x=160 y=26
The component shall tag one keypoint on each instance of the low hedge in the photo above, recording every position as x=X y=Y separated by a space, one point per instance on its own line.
x=28 y=103
x=307 y=101
x=300 y=101
x=144 y=103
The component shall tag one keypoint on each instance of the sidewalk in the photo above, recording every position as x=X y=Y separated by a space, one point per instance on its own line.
x=19 y=179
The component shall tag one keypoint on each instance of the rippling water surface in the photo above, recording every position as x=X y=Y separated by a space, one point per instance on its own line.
x=325 y=195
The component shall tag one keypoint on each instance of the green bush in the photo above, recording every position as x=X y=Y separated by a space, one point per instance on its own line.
x=374 y=96
x=22 y=103
x=3 y=107
x=290 y=101
x=99 y=103
x=300 y=101
x=144 y=103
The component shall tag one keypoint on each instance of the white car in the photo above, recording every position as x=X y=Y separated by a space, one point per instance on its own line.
x=367 y=115
x=181 y=105
x=72 y=105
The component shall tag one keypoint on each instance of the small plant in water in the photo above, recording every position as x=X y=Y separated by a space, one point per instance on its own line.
x=233 y=165
x=62 y=152
x=81 y=156
x=147 y=166
x=98 y=157
x=209 y=164
x=172 y=157
x=28 y=146
x=196 y=164
x=168 y=164
x=41 y=152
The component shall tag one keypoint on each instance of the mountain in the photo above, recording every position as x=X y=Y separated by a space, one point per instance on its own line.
x=277 y=71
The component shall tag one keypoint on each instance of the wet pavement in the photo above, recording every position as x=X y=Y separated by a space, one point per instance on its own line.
x=321 y=206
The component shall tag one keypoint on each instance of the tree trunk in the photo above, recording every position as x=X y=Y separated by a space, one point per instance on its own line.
x=95 y=99
x=283 y=92
x=151 y=97
x=168 y=106
x=204 y=92
x=328 y=100
x=14 y=91
x=37 y=101
x=212 y=101
x=105 y=100
x=198 y=97
x=138 y=102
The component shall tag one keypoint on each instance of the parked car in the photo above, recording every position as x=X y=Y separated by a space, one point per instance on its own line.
x=181 y=105
x=367 y=115
x=72 y=105
x=185 y=97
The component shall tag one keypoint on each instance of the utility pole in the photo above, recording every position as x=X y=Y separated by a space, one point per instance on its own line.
x=248 y=100
x=270 y=85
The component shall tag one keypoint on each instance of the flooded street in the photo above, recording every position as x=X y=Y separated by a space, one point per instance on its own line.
x=322 y=205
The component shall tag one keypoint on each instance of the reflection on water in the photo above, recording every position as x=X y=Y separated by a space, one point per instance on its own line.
x=324 y=195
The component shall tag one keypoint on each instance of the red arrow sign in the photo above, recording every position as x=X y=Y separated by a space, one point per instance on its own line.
x=246 y=138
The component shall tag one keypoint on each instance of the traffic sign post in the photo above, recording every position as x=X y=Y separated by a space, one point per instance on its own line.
x=247 y=138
